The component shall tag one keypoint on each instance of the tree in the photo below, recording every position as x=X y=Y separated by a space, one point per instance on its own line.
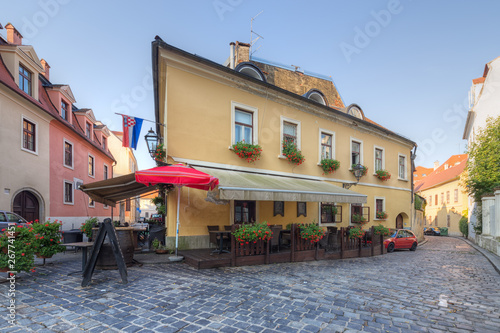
x=483 y=166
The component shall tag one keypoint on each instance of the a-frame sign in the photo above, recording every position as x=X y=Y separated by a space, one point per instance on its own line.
x=105 y=228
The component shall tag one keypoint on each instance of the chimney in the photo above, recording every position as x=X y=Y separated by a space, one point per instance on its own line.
x=242 y=51
x=436 y=165
x=231 y=55
x=13 y=36
x=46 y=67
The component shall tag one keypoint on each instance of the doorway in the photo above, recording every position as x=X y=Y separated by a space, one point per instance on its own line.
x=26 y=204
x=244 y=212
x=399 y=222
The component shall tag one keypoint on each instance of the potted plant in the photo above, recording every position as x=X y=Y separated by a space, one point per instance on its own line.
x=292 y=154
x=329 y=166
x=159 y=202
x=247 y=151
x=383 y=174
x=311 y=232
x=356 y=232
x=159 y=154
x=248 y=233
x=381 y=230
x=47 y=239
x=363 y=168
x=381 y=215
x=86 y=227
x=20 y=256
x=358 y=218
x=160 y=248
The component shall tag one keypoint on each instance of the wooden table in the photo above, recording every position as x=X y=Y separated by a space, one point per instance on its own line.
x=220 y=234
x=84 y=246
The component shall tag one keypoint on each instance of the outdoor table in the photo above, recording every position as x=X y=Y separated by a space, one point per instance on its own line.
x=220 y=234
x=84 y=246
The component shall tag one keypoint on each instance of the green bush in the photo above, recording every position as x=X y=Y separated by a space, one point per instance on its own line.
x=463 y=225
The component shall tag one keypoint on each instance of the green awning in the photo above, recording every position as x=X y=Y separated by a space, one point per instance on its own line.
x=240 y=185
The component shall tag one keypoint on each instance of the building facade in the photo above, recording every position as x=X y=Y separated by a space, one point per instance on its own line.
x=446 y=198
x=208 y=108
x=52 y=146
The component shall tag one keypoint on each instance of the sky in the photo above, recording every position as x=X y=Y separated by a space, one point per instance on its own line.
x=409 y=64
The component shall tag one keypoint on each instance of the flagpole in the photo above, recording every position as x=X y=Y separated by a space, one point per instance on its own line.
x=154 y=122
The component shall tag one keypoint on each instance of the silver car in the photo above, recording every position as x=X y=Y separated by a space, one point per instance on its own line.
x=8 y=218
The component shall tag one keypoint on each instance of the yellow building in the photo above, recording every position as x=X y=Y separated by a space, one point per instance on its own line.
x=446 y=199
x=207 y=108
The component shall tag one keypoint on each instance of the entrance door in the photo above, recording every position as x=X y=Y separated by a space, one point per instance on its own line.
x=399 y=222
x=244 y=212
x=26 y=205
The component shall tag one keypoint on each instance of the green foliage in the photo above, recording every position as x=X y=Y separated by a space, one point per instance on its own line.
x=358 y=218
x=353 y=167
x=292 y=154
x=381 y=215
x=18 y=250
x=159 y=202
x=329 y=166
x=247 y=151
x=311 y=232
x=483 y=165
x=47 y=240
x=383 y=174
x=247 y=233
x=86 y=227
x=381 y=230
x=418 y=202
x=356 y=232
x=160 y=154
x=463 y=225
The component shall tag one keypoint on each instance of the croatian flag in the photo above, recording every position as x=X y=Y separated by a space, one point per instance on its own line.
x=131 y=131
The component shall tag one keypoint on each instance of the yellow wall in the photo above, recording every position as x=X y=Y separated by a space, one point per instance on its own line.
x=443 y=209
x=197 y=111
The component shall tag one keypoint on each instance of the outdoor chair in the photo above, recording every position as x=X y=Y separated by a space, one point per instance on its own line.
x=275 y=239
x=213 y=237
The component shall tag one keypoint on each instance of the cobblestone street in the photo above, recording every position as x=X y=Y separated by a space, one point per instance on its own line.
x=446 y=285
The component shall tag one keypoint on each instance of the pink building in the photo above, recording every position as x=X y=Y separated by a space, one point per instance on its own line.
x=53 y=147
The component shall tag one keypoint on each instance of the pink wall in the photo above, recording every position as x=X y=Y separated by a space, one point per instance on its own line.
x=59 y=172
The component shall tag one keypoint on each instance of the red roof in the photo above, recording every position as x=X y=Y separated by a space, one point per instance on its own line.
x=444 y=175
x=478 y=80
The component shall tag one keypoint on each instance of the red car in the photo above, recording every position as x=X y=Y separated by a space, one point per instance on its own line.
x=401 y=239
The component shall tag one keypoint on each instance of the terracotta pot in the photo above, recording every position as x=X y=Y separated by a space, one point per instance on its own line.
x=4 y=269
x=161 y=251
x=38 y=255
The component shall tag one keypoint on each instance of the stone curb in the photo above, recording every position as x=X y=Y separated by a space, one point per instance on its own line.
x=492 y=258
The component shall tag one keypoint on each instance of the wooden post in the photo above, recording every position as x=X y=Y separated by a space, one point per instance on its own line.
x=373 y=241
x=233 y=246
x=342 y=243
x=292 y=243
x=267 y=252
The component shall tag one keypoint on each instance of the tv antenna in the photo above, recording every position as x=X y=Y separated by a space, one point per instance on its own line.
x=252 y=40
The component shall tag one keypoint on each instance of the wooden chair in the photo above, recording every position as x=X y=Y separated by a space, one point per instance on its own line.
x=275 y=239
x=213 y=237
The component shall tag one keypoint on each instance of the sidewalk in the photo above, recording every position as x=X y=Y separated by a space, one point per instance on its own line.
x=492 y=258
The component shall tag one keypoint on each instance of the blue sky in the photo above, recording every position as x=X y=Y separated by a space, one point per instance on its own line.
x=408 y=64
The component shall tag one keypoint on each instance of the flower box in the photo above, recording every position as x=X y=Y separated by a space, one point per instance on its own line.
x=383 y=174
x=329 y=165
x=247 y=151
x=292 y=154
x=381 y=215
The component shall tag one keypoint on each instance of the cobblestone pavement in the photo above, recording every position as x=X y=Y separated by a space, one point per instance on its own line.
x=445 y=286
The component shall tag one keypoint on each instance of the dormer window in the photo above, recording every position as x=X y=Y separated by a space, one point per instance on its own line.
x=25 y=80
x=251 y=70
x=104 y=143
x=316 y=96
x=355 y=111
x=87 y=130
x=64 y=108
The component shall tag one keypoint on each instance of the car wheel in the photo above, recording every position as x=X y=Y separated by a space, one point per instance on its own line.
x=390 y=247
x=413 y=247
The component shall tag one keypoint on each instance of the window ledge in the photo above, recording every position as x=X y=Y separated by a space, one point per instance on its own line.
x=403 y=180
x=283 y=157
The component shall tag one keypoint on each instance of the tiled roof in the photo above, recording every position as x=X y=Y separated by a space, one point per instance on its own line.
x=478 y=80
x=452 y=161
x=444 y=176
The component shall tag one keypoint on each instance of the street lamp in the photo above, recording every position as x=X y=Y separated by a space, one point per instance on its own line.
x=357 y=170
x=152 y=140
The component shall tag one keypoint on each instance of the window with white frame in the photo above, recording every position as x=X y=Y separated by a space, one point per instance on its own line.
x=402 y=167
x=356 y=152
x=88 y=131
x=104 y=143
x=442 y=198
x=68 y=154
x=91 y=202
x=244 y=123
x=29 y=136
x=25 y=80
x=91 y=166
x=447 y=197
x=290 y=132
x=455 y=195
x=64 y=109
x=327 y=142
x=379 y=159
x=379 y=207
x=68 y=192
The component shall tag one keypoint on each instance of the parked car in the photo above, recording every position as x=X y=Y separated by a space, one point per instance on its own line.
x=401 y=239
x=432 y=231
x=7 y=218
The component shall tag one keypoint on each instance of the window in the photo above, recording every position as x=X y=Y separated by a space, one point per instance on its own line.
x=64 y=109
x=360 y=213
x=379 y=162
x=448 y=222
x=430 y=200
x=127 y=205
x=87 y=130
x=29 y=135
x=279 y=208
x=455 y=195
x=442 y=198
x=301 y=209
x=105 y=172
x=379 y=206
x=24 y=79
x=447 y=197
x=91 y=202
x=68 y=154
x=244 y=212
x=355 y=152
x=68 y=192
x=436 y=200
x=330 y=213
x=290 y=132
x=104 y=143
x=402 y=167
x=326 y=146
x=243 y=126
x=91 y=166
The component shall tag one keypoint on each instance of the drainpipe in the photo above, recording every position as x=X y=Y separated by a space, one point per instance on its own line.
x=231 y=55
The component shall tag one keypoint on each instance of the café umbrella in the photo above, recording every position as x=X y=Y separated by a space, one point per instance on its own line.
x=178 y=175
